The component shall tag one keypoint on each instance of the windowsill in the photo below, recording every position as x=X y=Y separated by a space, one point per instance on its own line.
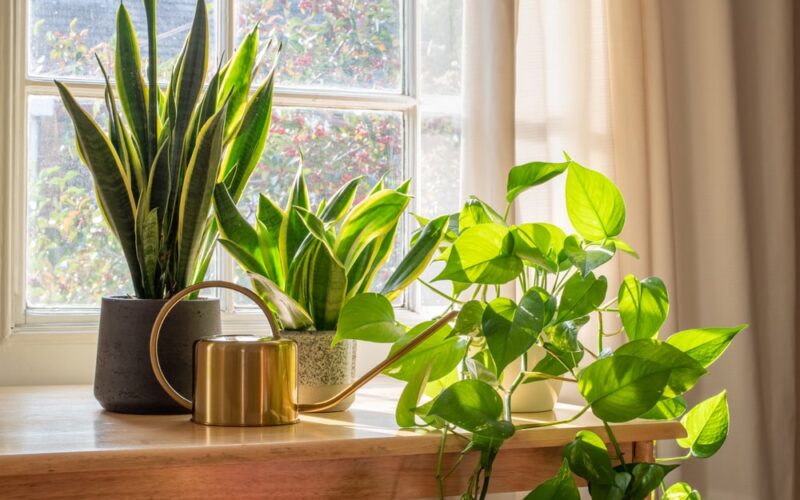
x=64 y=353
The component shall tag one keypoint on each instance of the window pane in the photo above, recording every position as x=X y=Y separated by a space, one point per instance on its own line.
x=440 y=46
x=65 y=35
x=439 y=182
x=354 y=44
x=336 y=145
x=72 y=258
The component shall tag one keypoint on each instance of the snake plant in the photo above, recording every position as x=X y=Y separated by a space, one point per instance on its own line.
x=156 y=166
x=308 y=264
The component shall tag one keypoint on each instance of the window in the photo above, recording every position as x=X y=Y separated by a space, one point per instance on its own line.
x=365 y=87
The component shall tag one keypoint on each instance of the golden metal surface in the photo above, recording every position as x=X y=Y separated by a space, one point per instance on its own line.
x=245 y=380
x=250 y=380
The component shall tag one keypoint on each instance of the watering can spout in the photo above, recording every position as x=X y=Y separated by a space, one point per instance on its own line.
x=251 y=380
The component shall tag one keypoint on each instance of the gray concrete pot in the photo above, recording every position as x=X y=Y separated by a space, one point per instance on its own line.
x=123 y=379
x=323 y=371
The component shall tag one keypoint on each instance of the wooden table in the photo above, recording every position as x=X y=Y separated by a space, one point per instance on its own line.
x=57 y=442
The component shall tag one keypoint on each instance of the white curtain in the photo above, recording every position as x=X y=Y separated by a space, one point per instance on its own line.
x=706 y=153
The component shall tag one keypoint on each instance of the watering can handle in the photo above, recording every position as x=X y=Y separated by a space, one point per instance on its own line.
x=167 y=308
x=324 y=405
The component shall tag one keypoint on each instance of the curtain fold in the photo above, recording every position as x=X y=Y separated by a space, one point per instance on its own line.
x=702 y=112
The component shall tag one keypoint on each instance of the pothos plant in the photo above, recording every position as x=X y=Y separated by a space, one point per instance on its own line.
x=155 y=171
x=644 y=374
x=308 y=263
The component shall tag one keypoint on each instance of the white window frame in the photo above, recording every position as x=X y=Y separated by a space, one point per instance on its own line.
x=58 y=346
x=81 y=321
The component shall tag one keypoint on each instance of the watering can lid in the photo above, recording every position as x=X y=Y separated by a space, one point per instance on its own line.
x=244 y=339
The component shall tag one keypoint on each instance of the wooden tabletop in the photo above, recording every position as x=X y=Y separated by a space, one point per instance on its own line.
x=58 y=430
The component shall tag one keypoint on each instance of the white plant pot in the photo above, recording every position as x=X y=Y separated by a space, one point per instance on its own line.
x=323 y=371
x=533 y=397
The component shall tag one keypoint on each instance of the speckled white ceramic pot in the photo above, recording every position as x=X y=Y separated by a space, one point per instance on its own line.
x=534 y=396
x=323 y=371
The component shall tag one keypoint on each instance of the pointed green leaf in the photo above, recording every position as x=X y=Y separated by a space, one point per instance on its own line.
x=232 y=225
x=130 y=83
x=477 y=212
x=482 y=254
x=685 y=371
x=291 y=314
x=236 y=82
x=372 y=218
x=196 y=195
x=681 y=491
x=511 y=330
x=468 y=321
x=341 y=202
x=245 y=150
x=564 y=335
x=441 y=351
x=581 y=296
x=248 y=261
x=369 y=316
x=705 y=344
x=587 y=259
x=112 y=184
x=621 y=388
x=539 y=244
x=588 y=457
x=557 y=362
x=594 y=204
x=643 y=306
x=646 y=479
x=192 y=74
x=417 y=258
x=409 y=398
x=561 y=487
x=524 y=177
x=474 y=406
x=706 y=426
x=327 y=285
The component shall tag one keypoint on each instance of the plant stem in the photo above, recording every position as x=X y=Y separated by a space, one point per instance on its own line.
x=600 y=327
x=595 y=356
x=508 y=210
x=614 y=442
x=439 y=460
x=555 y=422
x=438 y=292
x=672 y=459
x=523 y=367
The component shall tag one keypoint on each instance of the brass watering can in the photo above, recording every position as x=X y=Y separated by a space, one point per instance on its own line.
x=251 y=380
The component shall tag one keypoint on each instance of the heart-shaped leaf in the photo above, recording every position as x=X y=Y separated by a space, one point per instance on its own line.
x=594 y=204
x=587 y=259
x=474 y=406
x=539 y=244
x=681 y=491
x=706 y=426
x=643 y=306
x=621 y=388
x=561 y=487
x=368 y=316
x=705 y=344
x=468 y=321
x=685 y=371
x=441 y=351
x=477 y=212
x=524 y=177
x=511 y=330
x=581 y=296
x=482 y=254
x=588 y=457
